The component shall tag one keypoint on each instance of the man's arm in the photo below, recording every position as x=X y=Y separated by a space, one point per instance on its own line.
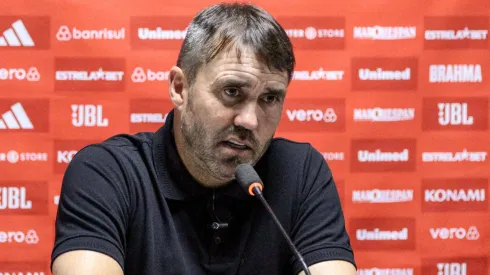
x=331 y=268
x=82 y=262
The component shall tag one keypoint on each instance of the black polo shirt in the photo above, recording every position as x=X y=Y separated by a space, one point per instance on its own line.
x=130 y=197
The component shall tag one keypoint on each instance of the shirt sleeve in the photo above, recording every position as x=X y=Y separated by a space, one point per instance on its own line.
x=93 y=210
x=319 y=228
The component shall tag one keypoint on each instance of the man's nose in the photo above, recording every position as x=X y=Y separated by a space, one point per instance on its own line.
x=247 y=117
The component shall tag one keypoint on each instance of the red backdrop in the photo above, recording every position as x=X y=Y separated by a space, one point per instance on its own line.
x=393 y=93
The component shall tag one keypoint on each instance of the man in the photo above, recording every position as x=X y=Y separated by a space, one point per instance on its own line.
x=167 y=202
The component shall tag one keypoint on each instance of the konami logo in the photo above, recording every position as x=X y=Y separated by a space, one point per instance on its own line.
x=315 y=32
x=90 y=74
x=24 y=32
x=23 y=197
x=382 y=196
x=384 y=73
x=158 y=32
x=24 y=115
x=465 y=32
x=455 y=73
x=458 y=233
x=385 y=32
x=31 y=74
x=313 y=115
x=455 y=114
x=382 y=155
x=383 y=234
x=462 y=194
x=66 y=33
x=65 y=150
x=454 y=266
x=385 y=271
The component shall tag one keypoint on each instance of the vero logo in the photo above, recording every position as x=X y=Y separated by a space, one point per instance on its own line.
x=25 y=32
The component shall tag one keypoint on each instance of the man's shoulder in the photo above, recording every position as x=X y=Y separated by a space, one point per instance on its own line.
x=286 y=150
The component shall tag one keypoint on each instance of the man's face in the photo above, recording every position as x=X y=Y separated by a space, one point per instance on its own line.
x=231 y=113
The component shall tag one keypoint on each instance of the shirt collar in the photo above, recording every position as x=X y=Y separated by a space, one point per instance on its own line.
x=177 y=182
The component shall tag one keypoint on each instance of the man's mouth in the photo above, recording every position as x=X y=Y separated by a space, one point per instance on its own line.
x=237 y=145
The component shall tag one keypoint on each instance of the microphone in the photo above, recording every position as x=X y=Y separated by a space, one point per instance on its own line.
x=250 y=181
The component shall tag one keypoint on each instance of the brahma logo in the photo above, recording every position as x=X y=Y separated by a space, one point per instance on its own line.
x=454 y=266
x=24 y=32
x=19 y=237
x=319 y=74
x=463 y=156
x=385 y=32
x=19 y=197
x=141 y=75
x=455 y=113
x=158 y=32
x=66 y=33
x=385 y=271
x=89 y=74
x=315 y=32
x=382 y=155
x=458 y=233
x=384 y=114
x=146 y=114
x=384 y=73
x=382 y=196
x=470 y=32
x=28 y=115
x=31 y=74
x=382 y=234
x=454 y=195
x=88 y=115
x=14 y=157
x=313 y=115
x=455 y=73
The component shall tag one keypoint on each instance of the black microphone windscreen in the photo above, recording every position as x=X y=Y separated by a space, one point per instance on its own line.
x=245 y=175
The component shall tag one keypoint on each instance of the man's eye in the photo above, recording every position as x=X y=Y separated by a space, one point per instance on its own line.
x=231 y=92
x=270 y=99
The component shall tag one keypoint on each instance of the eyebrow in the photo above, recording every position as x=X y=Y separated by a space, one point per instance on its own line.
x=244 y=84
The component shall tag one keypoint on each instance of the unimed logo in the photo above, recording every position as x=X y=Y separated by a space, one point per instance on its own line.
x=452 y=32
x=65 y=150
x=383 y=155
x=459 y=195
x=383 y=234
x=89 y=74
x=313 y=115
x=384 y=73
x=23 y=197
x=455 y=113
x=454 y=266
x=24 y=32
x=315 y=33
x=158 y=32
x=25 y=115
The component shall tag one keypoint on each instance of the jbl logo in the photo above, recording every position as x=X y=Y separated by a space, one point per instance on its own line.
x=14 y=198
x=451 y=269
x=454 y=114
x=88 y=115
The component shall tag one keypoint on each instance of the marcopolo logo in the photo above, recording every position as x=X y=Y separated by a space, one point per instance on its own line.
x=385 y=32
x=313 y=115
x=141 y=75
x=384 y=114
x=31 y=74
x=66 y=33
x=465 y=32
x=455 y=233
x=384 y=73
x=383 y=234
x=463 y=194
x=455 y=113
x=23 y=197
x=382 y=196
x=453 y=266
x=385 y=271
x=26 y=115
x=14 y=157
x=382 y=155
x=315 y=32
x=18 y=237
x=157 y=32
x=89 y=74
x=455 y=73
x=24 y=32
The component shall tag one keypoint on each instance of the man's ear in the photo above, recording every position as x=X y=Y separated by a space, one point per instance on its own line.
x=177 y=86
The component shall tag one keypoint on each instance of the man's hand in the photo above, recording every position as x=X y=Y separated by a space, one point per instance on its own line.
x=84 y=262
x=331 y=268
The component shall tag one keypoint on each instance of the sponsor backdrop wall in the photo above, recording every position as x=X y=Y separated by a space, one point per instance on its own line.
x=393 y=93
